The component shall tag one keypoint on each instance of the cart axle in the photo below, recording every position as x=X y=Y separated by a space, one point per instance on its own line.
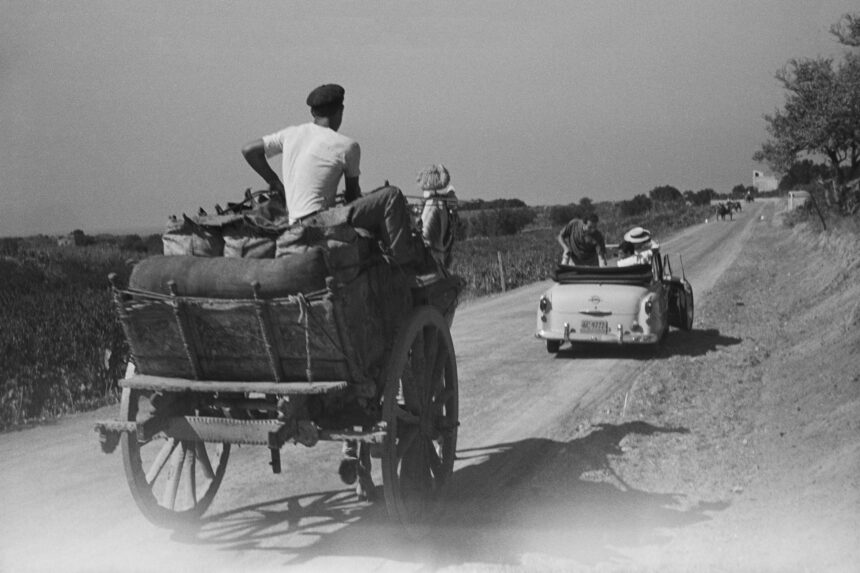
x=270 y=433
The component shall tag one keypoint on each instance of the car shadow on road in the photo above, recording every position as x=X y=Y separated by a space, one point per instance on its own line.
x=559 y=500
x=676 y=343
x=695 y=342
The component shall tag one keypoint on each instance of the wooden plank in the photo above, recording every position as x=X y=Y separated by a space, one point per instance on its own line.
x=165 y=384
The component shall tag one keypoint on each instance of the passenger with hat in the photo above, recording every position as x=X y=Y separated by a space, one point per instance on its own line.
x=582 y=243
x=438 y=212
x=636 y=249
x=314 y=158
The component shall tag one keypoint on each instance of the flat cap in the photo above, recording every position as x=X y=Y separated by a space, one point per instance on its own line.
x=328 y=94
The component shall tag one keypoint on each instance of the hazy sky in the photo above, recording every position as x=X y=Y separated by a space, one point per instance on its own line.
x=116 y=114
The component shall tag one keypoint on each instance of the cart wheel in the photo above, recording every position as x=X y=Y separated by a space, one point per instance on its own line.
x=553 y=346
x=420 y=410
x=172 y=481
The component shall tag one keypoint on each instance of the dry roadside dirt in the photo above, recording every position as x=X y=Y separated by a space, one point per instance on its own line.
x=765 y=431
x=734 y=448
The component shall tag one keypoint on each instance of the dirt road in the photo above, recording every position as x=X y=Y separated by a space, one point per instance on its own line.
x=533 y=486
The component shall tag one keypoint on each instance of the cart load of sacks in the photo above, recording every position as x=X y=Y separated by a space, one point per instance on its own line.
x=222 y=255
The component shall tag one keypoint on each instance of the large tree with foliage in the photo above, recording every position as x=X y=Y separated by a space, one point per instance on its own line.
x=821 y=116
x=665 y=193
x=637 y=206
x=803 y=172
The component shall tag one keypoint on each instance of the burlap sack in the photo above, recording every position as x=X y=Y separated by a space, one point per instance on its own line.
x=344 y=246
x=242 y=239
x=232 y=278
x=188 y=237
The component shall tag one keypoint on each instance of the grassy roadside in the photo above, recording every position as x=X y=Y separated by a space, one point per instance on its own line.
x=767 y=392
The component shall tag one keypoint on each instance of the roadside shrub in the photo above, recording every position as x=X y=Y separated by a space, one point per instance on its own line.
x=632 y=207
x=493 y=222
x=560 y=214
x=61 y=348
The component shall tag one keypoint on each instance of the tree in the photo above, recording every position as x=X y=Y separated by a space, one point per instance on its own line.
x=665 y=193
x=803 y=172
x=821 y=116
x=561 y=214
x=705 y=196
x=587 y=205
x=638 y=205
x=847 y=30
x=739 y=190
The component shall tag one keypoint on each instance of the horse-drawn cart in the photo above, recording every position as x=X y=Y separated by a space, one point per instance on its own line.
x=264 y=352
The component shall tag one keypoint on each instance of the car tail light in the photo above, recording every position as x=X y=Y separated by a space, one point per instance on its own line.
x=544 y=304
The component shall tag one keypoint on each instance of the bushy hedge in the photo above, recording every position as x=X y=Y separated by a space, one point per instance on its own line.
x=61 y=347
x=493 y=222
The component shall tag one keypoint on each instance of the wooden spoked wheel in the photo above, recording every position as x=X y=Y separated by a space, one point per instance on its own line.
x=420 y=410
x=172 y=481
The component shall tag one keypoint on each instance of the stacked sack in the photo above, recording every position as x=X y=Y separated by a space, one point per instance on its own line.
x=244 y=230
x=258 y=228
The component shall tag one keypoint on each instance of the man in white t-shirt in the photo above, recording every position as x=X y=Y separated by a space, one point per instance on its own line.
x=315 y=157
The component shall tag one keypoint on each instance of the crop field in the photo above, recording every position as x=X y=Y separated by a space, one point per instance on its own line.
x=62 y=349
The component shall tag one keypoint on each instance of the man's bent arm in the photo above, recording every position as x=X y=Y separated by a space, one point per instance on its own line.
x=601 y=255
x=562 y=242
x=352 y=191
x=255 y=155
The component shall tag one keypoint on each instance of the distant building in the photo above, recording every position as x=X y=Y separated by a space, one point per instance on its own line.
x=763 y=182
x=76 y=238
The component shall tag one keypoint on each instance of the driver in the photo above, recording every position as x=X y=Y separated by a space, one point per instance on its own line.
x=314 y=158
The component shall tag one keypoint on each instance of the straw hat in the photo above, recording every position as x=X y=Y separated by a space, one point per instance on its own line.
x=637 y=235
x=433 y=178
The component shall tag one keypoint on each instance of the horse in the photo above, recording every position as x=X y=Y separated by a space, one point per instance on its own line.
x=722 y=210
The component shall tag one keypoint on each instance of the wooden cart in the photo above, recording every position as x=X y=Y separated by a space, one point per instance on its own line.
x=370 y=360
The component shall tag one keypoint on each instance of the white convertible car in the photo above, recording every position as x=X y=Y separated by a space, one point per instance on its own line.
x=614 y=305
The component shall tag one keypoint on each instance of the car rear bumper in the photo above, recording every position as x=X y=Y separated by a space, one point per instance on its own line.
x=618 y=337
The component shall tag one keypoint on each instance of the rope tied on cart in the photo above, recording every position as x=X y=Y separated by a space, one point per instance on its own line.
x=304 y=312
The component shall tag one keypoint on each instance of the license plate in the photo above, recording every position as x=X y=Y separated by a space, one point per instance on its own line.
x=594 y=327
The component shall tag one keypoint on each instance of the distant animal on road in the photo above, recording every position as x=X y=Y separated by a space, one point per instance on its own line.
x=724 y=210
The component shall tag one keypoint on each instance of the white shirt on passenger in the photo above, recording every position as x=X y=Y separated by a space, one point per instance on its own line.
x=642 y=257
x=314 y=159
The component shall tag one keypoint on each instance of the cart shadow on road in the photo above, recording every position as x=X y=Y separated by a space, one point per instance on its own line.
x=560 y=500
x=676 y=343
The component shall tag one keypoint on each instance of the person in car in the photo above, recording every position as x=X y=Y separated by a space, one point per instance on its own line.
x=639 y=247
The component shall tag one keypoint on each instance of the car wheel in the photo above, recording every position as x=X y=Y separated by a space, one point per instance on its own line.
x=552 y=346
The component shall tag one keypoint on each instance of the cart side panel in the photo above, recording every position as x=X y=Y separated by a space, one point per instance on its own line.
x=340 y=334
x=308 y=338
x=155 y=338
x=224 y=340
x=370 y=310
